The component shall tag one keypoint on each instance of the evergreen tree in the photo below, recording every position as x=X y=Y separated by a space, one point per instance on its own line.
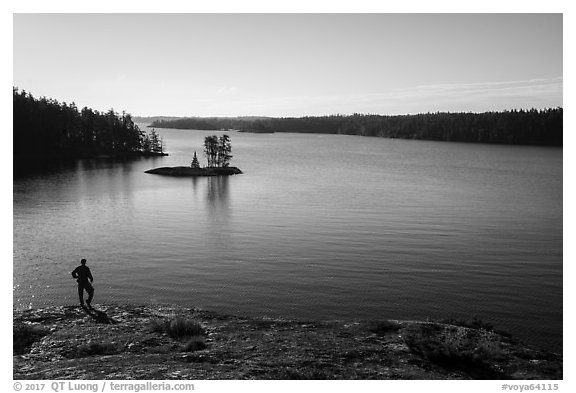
x=217 y=151
x=156 y=142
x=224 y=150
x=145 y=143
x=211 y=150
x=195 y=164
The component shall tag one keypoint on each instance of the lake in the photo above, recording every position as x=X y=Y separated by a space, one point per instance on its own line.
x=318 y=226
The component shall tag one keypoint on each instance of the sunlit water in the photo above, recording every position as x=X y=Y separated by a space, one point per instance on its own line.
x=318 y=226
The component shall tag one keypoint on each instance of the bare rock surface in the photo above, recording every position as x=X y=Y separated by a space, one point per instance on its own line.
x=186 y=171
x=127 y=342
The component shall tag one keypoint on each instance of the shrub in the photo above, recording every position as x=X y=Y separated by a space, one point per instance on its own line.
x=384 y=327
x=177 y=327
x=180 y=327
x=456 y=348
x=26 y=335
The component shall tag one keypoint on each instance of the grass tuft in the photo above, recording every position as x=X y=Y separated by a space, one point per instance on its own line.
x=177 y=327
x=180 y=327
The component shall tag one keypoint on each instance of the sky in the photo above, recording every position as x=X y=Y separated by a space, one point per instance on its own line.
x=291 y=64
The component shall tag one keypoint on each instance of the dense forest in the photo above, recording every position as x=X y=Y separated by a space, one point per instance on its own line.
x=45 y=130
x=519 y=127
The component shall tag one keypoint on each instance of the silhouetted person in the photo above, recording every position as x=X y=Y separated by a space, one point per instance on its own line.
x=84 y=277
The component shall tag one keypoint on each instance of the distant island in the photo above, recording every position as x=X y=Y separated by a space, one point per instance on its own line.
x=514 y=127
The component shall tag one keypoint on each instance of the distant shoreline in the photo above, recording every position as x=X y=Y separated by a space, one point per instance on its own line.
x=532 y=127
x=257 y=132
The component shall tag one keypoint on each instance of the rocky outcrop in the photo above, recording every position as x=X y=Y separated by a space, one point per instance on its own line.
x=182 y=171
x=155 y=342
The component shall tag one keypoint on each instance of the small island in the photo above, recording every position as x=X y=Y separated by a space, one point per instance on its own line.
x=188 y=171
x=217 y=151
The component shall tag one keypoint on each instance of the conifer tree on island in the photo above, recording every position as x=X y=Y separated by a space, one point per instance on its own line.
x=195 y=164
x=211 y=150
x=224 y=150
x=217 y=151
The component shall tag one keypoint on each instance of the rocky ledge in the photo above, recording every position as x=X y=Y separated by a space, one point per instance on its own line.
x=169 y=342
x=188 y=171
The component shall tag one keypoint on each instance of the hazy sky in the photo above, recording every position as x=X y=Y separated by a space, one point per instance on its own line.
x=291 y=64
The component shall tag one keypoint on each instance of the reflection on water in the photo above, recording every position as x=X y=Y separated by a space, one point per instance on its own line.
x=318 y=226
x=217 y=195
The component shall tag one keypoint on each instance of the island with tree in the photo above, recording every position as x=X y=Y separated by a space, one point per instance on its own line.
x=217 y=151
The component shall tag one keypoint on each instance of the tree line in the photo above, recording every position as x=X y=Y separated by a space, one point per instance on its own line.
x=518 y=127
x=45 y=129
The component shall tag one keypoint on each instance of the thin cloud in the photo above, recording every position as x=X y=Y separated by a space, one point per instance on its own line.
x=483 y=96
x=227 y=90
x=534 y=87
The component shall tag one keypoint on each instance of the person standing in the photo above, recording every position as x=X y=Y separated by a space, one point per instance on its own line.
x=84 y=278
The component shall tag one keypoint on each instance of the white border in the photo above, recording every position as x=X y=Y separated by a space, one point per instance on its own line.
x=248 y=6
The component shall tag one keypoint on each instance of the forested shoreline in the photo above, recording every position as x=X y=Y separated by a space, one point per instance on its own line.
x=518 y=127
x=46 y=130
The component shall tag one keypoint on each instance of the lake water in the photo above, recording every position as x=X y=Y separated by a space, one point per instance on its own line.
x=318 y=226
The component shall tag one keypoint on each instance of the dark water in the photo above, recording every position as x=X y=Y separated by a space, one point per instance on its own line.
x=318 y=226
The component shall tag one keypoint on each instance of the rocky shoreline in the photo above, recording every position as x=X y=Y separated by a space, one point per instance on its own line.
x=171 y=342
